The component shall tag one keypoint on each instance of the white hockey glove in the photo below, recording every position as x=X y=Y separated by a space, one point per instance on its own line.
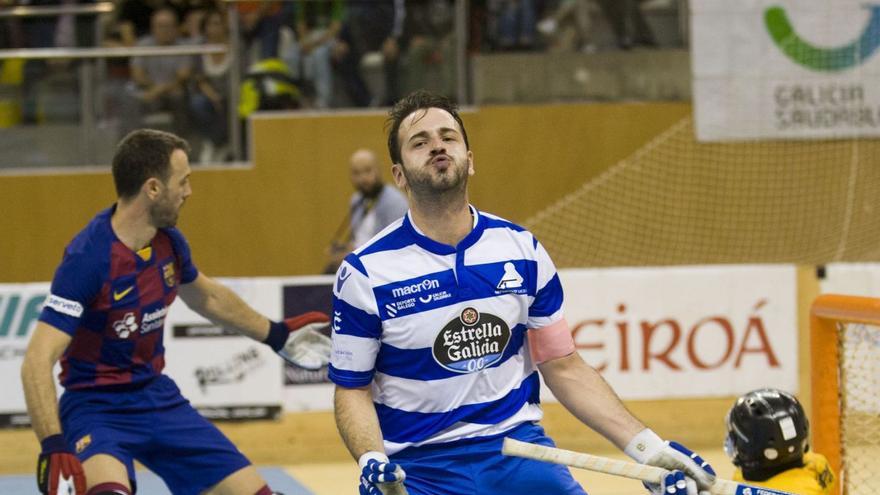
x=648 y=448
x=674 y=483
x=379 y=476
x=300 y=340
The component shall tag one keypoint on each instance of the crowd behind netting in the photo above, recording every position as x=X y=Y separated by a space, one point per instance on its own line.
x=300 y=54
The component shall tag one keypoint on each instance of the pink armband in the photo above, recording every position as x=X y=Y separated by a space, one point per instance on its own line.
x=551 y=342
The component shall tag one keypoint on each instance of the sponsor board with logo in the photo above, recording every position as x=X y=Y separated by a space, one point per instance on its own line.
x=769 y=69
x=225 y=375
x=20 y=306
x=654 y=333
x=662 y=333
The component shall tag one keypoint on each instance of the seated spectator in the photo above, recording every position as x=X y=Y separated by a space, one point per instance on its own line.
x=209 y=100
x=513 y=23
x=318 y=24
x=372 y=207
x=429 y=46
x=158 y=83
x=370 y=27
x=567 y=27
x=629 y=25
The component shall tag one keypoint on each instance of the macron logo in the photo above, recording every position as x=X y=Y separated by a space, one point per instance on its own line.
x=407 y=290
x=64 y=306
x=343 y=276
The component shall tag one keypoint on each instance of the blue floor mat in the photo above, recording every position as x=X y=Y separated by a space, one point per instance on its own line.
x=150 y=484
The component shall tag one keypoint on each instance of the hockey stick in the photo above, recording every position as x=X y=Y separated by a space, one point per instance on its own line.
x=642 y=472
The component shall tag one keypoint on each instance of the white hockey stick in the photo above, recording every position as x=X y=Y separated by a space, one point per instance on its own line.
x=642 y=472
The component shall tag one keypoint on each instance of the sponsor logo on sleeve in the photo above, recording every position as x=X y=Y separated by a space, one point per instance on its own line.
x=471 y=342
x=344 y=274
x=64 y=306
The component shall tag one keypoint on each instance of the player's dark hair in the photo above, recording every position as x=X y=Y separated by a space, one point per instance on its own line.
x=143 y=154
x=417 y=100
x=768 y=433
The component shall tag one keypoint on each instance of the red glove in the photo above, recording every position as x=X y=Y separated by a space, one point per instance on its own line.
x=58 y=470
x=301 y=341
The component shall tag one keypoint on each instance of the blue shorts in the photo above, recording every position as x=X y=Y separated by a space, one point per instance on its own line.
x=476 y=467
x=155 y=425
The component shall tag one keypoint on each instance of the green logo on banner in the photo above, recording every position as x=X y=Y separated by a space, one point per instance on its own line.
x=823 y=59
x=27 y=313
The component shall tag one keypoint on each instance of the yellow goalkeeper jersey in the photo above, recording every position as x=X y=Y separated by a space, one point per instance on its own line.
x=815 y=478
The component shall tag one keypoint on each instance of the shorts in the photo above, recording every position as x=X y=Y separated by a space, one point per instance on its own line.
x=477 y=467
x=155 y=425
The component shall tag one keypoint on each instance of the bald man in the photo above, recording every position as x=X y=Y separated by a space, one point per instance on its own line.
x=372 y=207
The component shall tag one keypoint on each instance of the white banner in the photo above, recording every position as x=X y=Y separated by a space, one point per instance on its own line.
x=851 y=279
x=663 y=333
x=782 y=69
x=20 y=306
x=226 y=375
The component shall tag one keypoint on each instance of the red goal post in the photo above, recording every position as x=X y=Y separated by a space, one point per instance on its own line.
x=829 y=316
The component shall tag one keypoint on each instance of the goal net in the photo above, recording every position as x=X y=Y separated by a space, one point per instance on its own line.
x=845 y=360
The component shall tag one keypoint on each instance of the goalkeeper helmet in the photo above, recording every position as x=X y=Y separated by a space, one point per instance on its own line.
x=766 y=429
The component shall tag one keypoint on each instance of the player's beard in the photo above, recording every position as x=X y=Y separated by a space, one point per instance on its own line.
x=427 y=185
x=163 y=213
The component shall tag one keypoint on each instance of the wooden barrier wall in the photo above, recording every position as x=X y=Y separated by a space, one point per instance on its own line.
x=276 y=217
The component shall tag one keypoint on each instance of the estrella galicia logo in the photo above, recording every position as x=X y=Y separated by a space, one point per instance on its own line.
x=471 y=342
x=817 y=58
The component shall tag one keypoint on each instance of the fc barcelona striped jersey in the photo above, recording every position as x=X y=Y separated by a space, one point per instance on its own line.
x=439 y=332
x=112 y=301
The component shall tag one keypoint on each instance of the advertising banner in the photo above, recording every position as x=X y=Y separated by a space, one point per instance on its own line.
x=663 y=333
x=783 y=69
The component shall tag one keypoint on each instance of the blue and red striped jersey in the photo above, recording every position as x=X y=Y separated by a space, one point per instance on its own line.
x=112 y=301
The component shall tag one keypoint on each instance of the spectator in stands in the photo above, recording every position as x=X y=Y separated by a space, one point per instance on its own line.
x=370 y=27
x=429 y=46
x=567 y=27
x=629 y=25
x=318 y=24
x=264 y=25
x=133 y=20
x=209 y=100
x=513 y=23
x=371 y=208
x=159 y=82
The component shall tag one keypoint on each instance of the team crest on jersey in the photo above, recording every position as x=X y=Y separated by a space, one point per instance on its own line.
x=168 y=274
x=126 y=326
x=83 y=443
x=471 y=342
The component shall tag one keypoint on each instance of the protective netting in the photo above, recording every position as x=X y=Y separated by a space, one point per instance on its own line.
x=860 y=408
x=679 y=201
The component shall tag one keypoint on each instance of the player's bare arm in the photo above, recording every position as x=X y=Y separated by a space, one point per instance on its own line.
x=359 y=428
x=222 y=306
x=43 y=351
x=357 y=421
x=299 y=339
x=583 y=391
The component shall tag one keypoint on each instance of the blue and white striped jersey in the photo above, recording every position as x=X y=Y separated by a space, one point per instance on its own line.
x=440 y=331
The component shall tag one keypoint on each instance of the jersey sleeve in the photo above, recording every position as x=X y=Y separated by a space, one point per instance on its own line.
x=546 y=308
x=356 y=328
x=188 y=270
x=76 y=284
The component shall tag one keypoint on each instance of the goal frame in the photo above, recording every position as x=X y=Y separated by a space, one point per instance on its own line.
x=827 y=311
